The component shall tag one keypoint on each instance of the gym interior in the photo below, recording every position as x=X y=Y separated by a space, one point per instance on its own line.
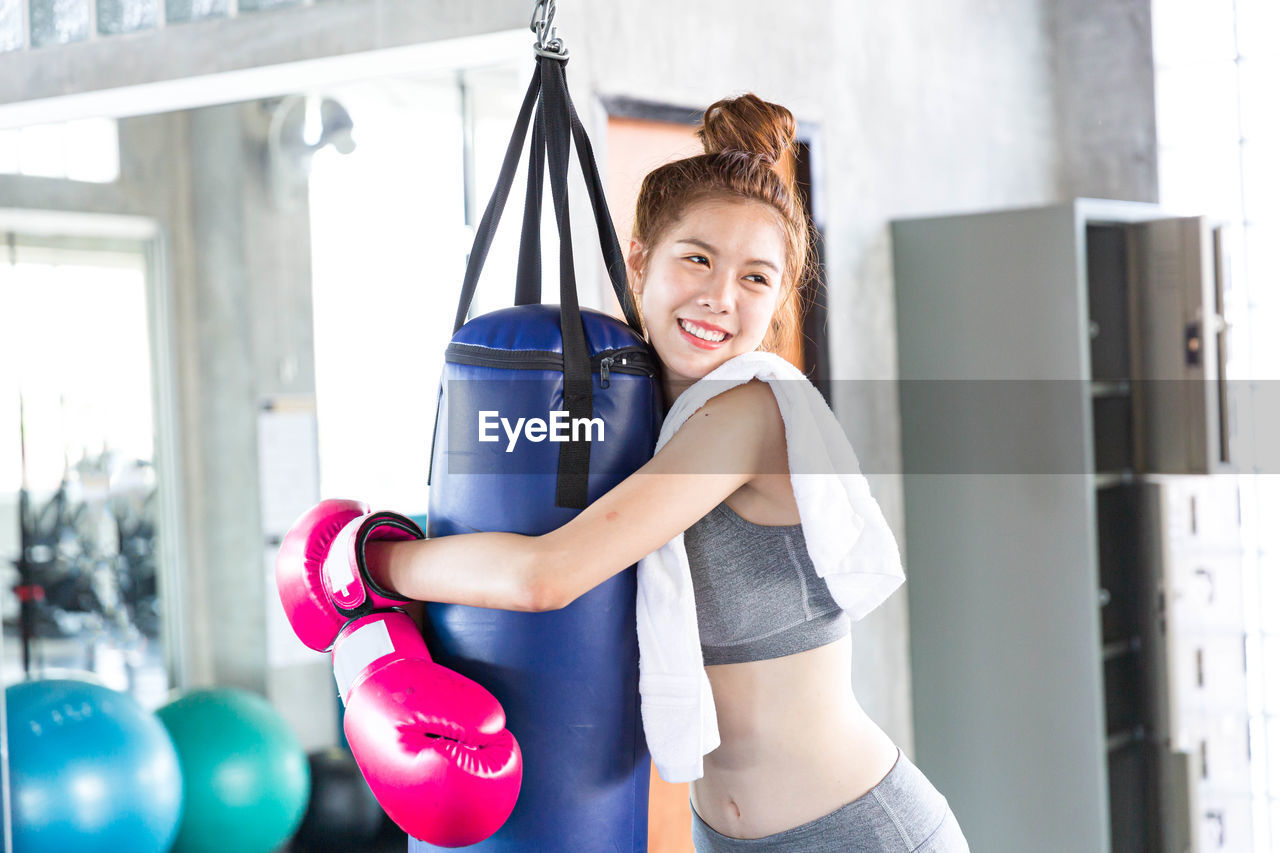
x=1045 y=317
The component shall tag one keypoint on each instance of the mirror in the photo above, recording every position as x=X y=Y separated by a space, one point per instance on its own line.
x=78 y=490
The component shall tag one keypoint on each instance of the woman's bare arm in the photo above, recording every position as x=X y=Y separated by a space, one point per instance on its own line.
x=720 y=448
x=723 y=445
x=487 y=569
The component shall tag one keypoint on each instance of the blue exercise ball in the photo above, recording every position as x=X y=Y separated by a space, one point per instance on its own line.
x=90 y=769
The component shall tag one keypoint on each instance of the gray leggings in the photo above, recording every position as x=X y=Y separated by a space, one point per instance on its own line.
x=902 y=813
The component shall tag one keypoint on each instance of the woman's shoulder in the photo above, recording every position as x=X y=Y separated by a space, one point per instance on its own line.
x=750 y=398
x=753 y=406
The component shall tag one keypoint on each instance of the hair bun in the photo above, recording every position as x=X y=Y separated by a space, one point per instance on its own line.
x=747 y=123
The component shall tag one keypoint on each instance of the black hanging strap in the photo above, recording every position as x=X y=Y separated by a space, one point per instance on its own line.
x=575 y=455
x=529 y=246
x=613 y=261
x=556 y=130
x=529 y=268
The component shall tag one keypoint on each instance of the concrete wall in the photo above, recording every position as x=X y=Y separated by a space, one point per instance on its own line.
x=923 y=108
x=1106 y=99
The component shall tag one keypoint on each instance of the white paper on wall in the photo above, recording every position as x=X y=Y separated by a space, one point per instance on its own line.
x=288 y=461
x=288 y=485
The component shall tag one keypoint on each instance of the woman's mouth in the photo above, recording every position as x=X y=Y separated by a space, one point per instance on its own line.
x=701 y=342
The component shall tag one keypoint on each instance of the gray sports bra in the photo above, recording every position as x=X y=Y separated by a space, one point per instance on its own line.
x=756 y=591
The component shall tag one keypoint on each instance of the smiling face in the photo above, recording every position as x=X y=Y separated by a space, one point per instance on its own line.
x=709 y=287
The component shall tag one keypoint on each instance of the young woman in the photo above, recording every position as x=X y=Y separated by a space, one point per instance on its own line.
x=720 y=253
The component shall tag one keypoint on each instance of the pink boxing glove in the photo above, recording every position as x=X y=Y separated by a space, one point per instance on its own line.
x=320 y=569
x=431 y=743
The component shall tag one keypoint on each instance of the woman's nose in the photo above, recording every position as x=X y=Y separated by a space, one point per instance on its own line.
x=717 y=290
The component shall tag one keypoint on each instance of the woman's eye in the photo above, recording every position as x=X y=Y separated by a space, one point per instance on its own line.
x=754 y=276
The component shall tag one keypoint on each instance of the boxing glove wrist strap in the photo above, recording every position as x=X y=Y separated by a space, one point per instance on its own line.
x=362 y=642
x=349 y=592
x=362 y=647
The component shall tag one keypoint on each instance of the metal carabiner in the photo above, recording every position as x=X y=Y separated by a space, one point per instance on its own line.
x=540 y=19
x=544 y=12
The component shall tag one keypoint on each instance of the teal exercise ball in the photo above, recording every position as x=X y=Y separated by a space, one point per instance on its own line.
x=90 y=769
x=244 y=771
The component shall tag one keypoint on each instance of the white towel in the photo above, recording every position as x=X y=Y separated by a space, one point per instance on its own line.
x=851 y=546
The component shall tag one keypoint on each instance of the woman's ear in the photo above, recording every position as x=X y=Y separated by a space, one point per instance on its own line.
x=635 y=263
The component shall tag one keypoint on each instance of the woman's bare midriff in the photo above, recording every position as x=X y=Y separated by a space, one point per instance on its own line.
x=794 y=743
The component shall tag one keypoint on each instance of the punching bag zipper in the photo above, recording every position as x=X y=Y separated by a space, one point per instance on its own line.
x=633 y=360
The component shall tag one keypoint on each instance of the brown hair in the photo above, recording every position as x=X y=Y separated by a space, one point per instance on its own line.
x=744 y=139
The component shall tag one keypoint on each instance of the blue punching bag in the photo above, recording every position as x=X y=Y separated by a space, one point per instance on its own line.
x=568 y=678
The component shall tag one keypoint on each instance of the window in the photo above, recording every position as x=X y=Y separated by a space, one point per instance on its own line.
x=390 y=238
x=85 y=150
x=76 y=361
